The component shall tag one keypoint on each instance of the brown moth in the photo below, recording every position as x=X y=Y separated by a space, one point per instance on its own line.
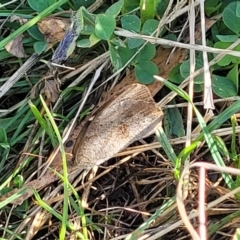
x=129 y=117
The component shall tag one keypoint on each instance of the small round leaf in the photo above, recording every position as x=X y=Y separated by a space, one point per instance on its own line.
x=175 y=75
x=131 y=23
x=223 y=87
x=40 y=5
x=35 y=33
x=145 y=71
x=147 y=53
x=185 y=70
x=40 y=47
x=150 y=26
x=134 y=43
x=230 y=18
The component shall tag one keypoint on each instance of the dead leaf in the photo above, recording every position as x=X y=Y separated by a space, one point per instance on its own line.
x=18 y=19
x=15 y=47
x=51 y=90
x=53 y=28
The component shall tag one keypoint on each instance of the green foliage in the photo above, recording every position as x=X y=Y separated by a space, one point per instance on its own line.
x=82 y=3
x=115 y=9
x=40 y=5
x=129 y=5
x=173 y=122
x=104 y=26
x=185 y=70
x=145 y=70
x=40 y=47
x=212 y=6
x=224 y=33
x=226 y=60
x=230 y=17
x=148 y=9
x=35 y=33
x=161 y=7
x=131 y=23
x=44 y=123
x=223 y=86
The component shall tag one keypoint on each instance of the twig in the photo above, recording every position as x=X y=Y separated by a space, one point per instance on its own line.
x=19 y=73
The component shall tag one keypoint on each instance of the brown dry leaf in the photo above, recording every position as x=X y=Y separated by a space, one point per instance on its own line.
x=53 y=28
x=15 y=47
x=18 y=19
x=51 y=90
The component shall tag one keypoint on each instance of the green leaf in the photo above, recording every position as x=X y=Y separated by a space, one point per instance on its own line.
x=164 y=141
x=185 y=70
x=3 y=138
x=175 y=75
x=44 y=124
x=18 y=181
x=227 y=38
x=144 y=71
x=35 y=33
x=230 y=18
x=161 y=7
x=173 y=122
x=149 y=26
x=105 y=26
x=115 y=9
x=226 y=60
x=38 y=116
x=129 y=5
x=222 y=148
x=147 y=9
x=87 y=43
x=88 y=29
x=82 y=3
x=233 y=75
x=211 y=6
x=223 y=87
x=171 y=36
x=84 y=43
x=115 y=57
x=238 y=9
x=198 y=87
x=134 y=43
x=40 y=47
x=125 y=54
x=131 y=23
x=89 y=18
x=118 y=42
x=147 y=53
x=40 y=5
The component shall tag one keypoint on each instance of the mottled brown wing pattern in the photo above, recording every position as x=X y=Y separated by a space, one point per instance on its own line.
x=131 y=116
